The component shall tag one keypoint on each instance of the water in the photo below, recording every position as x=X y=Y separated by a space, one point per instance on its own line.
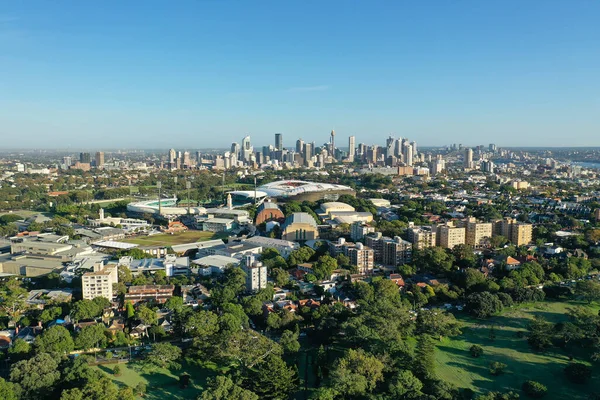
x=584 y=164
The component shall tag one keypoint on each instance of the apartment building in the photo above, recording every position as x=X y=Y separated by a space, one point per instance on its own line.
x=477 y=232
x=396 y=251
x=450 y=235
x=99 y=283
x=362 y=257
x=422 y=237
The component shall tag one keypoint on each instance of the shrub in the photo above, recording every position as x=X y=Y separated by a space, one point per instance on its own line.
x=497 y=368
x=476 y=351
x=116 y=370
x=534 y=389
x=578 y=373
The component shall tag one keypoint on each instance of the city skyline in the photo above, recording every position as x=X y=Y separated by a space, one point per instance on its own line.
x=211 y=73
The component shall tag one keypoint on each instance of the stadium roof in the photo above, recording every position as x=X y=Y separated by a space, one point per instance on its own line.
x=290 y=188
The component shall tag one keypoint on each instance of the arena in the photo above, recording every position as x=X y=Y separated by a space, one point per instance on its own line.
x=304 y=191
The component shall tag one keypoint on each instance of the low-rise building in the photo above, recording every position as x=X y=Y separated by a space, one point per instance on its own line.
x=149 y=293
x=300 y=227
x=284 y=247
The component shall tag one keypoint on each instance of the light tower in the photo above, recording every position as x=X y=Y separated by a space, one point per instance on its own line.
x=159 y=186
x=188 y=185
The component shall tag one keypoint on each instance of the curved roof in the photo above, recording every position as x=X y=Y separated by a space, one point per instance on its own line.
x=248 y=193
x=300 y=218
x=290 y=188
x=168 y=207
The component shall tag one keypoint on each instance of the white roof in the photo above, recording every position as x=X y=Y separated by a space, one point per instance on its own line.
x=113 y=244
x=289 y=188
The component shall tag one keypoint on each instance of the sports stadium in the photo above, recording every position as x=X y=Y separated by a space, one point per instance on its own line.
x=304 y=191
x=167 y=207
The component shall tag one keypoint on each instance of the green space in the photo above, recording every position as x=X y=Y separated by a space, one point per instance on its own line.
x=455 y=364
x=25 y=213
x=161 y=383
x=172 y=239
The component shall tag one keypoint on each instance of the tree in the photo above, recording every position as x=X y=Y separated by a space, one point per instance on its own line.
x=140 y=389
x=56 y=340
x=324 y=267
x=272 y=378
x=164 y=355
x=223 y=388
x=13 y=299
x=96 y=389
x=483 y=305
x=497 y=368
x=289 y=342
x=36 y=377
x=589 y=290
x=578 y=373
x=424 y=366
x=405 y=386
x=116 y=370
x=91 y=336
x=19 y=350
x=202 y=324
x=146 y=315
x=280 y=276
x=357 y=373
x=301 y=255
x=85 y=309
x=437 y=323
x=129 y=310
x=540 y=333
x=534 y=389
x=7 y=390
x=476 y=351
x=174 y=303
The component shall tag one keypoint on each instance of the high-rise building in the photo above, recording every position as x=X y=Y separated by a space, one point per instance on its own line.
x=422 y=237
x=396 y=251
x=375 y=241
x=278 y=141
x=172 y=157
x=309 y=150
x=351 y=148
x=477 y=232
x=247 y=149
x=85 y=158
x=487 y=166
x=99 y=159
x=99 y=283
x=256 y=273
x=332 y=144
x=468 y=162
x=300 y=146
x=449 y=235
x=407 y=154
x=187 y=161
x=362 y=257
x=492 y=147
x=358 y=230
x=518 y=233
x=414 y=148
x=235 y=149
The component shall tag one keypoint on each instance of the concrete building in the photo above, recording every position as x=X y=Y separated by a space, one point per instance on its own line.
x=351 y=148
x=362 y=257
x=449 y=235
x=300 y=227
x=268 y=211
x=335 y=206
x=477 y=232
x=517 y=233
x=375 y=241
x=99 y=159
x=149 y=293
x=396 y=251
x=468 y=161
x=99 y=283
x=358 y=230
x=284 y=247
x=214 y=264
x=256 y=274
x=422 y=237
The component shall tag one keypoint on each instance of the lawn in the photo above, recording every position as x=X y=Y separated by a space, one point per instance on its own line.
x=168 y=239
x=162 y=383
x=454 y=363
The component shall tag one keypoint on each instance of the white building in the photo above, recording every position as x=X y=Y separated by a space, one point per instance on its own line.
x=99 y=283
x=256 y=274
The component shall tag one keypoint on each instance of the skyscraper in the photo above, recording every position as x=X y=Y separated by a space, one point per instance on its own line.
x=246 y=149
x=85 y=158
x=407 y=154
x=99 y=159
x=172 y=156
x=468 y=162
x=309 y=150
x=235 y=149
x=300 y=146
x=351 y=148
x=332 y=144
x=278 y=141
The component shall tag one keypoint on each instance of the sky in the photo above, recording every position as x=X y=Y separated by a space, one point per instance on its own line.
x=205 y=73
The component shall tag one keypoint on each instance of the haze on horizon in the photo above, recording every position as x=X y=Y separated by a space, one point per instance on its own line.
x=203 y=74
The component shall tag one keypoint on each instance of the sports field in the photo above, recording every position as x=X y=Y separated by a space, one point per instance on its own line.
x=455 y=364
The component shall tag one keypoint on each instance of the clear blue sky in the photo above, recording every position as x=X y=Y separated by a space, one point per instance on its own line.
x=108 y=74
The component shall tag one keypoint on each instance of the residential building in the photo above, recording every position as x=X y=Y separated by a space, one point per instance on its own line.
x=256 y=274
x=149 y=293
x=521 y=234
x=362 y=257
x=396 y=251
x=422 y=237
x=375 y=241
x=99 y=283
x=358 y=230
x=449 y=235
x=477 y=232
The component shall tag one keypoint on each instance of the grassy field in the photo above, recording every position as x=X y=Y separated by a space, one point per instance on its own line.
x=454 y=363
x=168 y=239
x=162 y=383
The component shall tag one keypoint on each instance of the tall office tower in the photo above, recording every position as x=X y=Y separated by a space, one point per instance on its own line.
x=246 y=149
x=99 y=159
x=186 y=159
x=85 y=158
x=351 y=148
x=235 y=148
x=266 y=151
x=300 y=146
x=398 y=148
x=278 y=141
x=372 y=153
x=407 y=154
x=389 y=146
x=309 y=150
x=414 y=147
x=492 y=147
x=389 y=141
x=332 y=144
x=468 y=162
x=67 y=162
x=362 y=151
x=172 y=156
x=198 y=157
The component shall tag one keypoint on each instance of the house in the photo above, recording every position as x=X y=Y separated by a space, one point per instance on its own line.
x=117 y=325
x=138 y=331
x=175 y=227
x=397 y=279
